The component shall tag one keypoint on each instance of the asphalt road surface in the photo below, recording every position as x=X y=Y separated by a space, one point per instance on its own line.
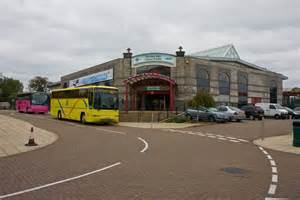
x=112 y=162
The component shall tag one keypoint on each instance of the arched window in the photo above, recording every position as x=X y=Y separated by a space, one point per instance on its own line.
x=242 y=90
x=273 y=92
x=202 y=80
x=224 y=84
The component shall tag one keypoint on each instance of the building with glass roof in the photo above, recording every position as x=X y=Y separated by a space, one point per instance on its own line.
x=161 y=81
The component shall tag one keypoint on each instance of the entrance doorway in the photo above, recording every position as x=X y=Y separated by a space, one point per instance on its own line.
x=149 y=91
x=154 y=101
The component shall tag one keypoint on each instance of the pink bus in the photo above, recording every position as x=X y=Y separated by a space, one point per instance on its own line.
x=36 y=102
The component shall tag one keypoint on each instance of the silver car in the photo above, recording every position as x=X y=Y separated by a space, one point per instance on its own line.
x=233 y=113
x=202 y=113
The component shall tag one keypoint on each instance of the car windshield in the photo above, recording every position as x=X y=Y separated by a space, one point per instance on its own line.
x=212 y=110
x=297 y=109
x=39 y=99
x=288 y=109
x=278 y=106
x=257 y=107
x=106 y=99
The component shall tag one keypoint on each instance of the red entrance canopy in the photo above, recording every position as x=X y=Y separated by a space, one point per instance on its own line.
x=139 y=77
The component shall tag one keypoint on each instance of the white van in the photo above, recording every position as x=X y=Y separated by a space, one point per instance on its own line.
x=273 y=110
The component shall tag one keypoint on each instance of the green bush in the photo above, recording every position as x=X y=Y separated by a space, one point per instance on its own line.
x=202 y=98
x=178 y=119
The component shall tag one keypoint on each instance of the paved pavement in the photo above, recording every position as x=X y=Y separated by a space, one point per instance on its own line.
x=114 y=162
x=14 y=134
x=159 y=125
x=279 y=143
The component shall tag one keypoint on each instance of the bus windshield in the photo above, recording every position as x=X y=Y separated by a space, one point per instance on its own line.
x=106 y=99
x=39 y=99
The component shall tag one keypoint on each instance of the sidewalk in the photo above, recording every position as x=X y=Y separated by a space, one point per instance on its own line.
x=279 y=143
x=158 y=125
x=14 y=134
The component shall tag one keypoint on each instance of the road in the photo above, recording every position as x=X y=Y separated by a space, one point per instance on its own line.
x=112 y=162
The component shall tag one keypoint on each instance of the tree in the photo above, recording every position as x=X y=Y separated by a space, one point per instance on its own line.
x=38 y=84
x=9 y=88
x=202 y=98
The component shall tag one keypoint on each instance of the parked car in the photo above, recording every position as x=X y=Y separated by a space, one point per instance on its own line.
x=273 y=110
x=253 y=112
x=294 y=114
x=4 y=105
x=297 y=109
x=234 y=114
x=205 y=114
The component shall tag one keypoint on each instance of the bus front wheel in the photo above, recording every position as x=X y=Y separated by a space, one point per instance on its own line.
x=82 y=118
x=59 y=115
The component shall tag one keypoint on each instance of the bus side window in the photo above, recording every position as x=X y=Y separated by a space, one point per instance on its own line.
x=90 y=98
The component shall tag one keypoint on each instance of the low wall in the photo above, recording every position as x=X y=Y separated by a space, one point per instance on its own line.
x=145 y=116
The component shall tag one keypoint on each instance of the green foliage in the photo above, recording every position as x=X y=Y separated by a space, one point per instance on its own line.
x=9 y=88
x=178 y=119
x=202 y=99
x=38 y=84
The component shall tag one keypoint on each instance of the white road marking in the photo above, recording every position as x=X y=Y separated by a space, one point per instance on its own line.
x=272 y=189
x=261 y=148
x=274 y=178
x=272 y=162
x=212 y=136
x=265 y=152
x=146 y=145
x=179 y=131
x=111 y=131
x=59 y=182
x=274 y=181
x=270 y=198
x=274 y=169
x=191 y=133
x=242 y=140
x=233 y=140
x=221 y=138
x=220 y=135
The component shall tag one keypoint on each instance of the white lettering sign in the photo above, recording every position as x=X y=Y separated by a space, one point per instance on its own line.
x=154 y=59
x=92 y=78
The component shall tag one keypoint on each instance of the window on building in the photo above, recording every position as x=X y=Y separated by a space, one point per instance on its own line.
x=273 y=92
x=202 y=80
x=224 y=84
x=242 y=90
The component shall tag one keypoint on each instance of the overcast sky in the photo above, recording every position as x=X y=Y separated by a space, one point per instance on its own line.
x=56 y=37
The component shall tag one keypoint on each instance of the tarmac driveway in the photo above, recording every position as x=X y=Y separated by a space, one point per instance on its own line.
x=207 y=162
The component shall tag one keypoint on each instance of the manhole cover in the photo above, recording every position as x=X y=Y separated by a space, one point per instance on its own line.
x=235 y=170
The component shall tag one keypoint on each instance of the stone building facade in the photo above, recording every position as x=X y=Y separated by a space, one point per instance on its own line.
x=158 y=81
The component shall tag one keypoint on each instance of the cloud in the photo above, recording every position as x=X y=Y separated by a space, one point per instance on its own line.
x=57 y=37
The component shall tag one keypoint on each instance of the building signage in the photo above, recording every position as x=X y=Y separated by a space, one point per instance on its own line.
x=152 y=88
x=154 y=59
x=92 y=78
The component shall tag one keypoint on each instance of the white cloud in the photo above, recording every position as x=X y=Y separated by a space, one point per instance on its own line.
x=55 y=37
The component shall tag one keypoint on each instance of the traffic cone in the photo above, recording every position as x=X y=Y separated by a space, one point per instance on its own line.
x=31 y=141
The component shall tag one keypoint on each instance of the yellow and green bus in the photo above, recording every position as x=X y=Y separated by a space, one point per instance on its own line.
x=94 y=104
